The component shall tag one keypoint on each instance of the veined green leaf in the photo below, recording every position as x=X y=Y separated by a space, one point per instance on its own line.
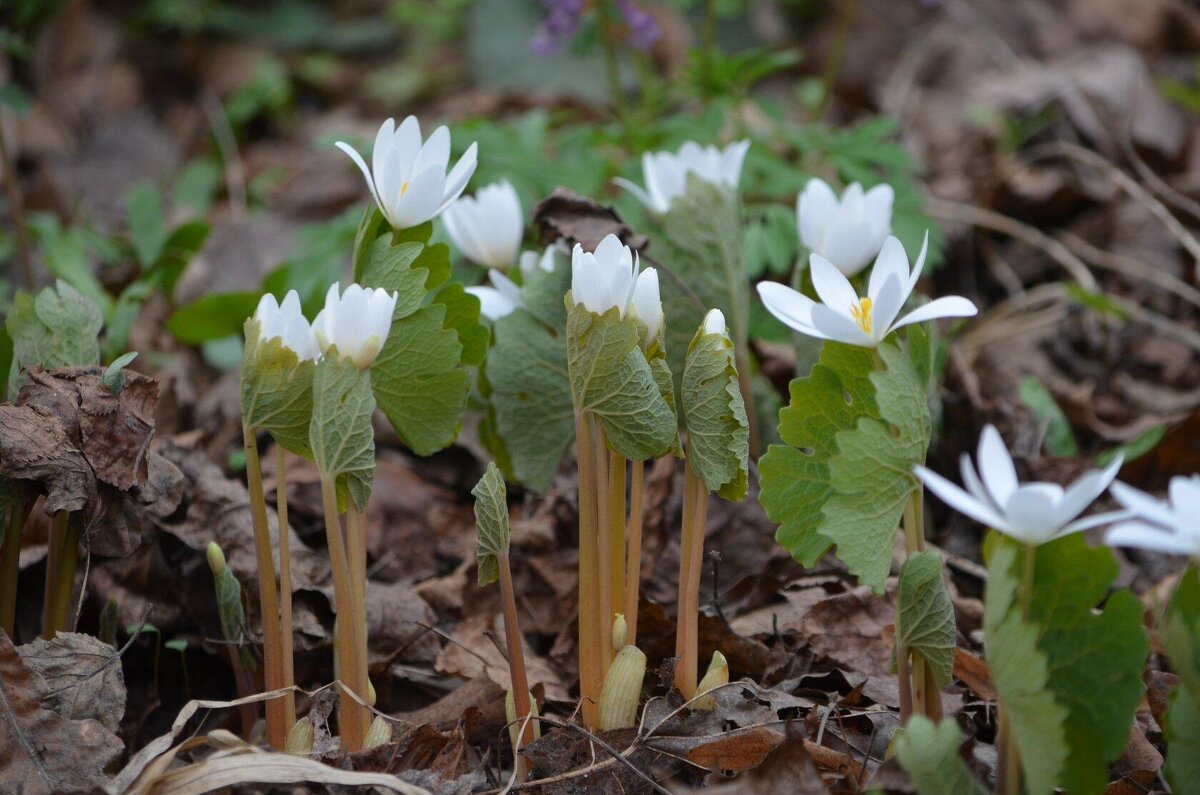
x=1180 y=632
x=925 y=615
x=340 y=433
x=232 y=614
x=59 y=327
x=531 y=396
x=420 y=378
x=491 y=522
x=277 y=391
x=212 y=316
x=611 y=379
x=718 y=433
x=1093 y=657
x=930 y=755
x=852 y=434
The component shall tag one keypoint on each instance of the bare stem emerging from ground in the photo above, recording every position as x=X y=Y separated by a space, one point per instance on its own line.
x=616 y=534
x=10 y=558
x=914 y=541
x=268 y=595
x=62 y=558
x=356 y=551
x=633 y=565
x=350 y=721
x=695 y=515
x=285 y=586
x=605 y=562
x=516 y=665
x=1008 y=764
x=591 y=678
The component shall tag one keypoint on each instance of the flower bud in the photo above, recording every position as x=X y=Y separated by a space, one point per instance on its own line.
x=216 y=558
x=622 y=689
x=379 y=733
x=514 y=725
x=717 y=675
x=619 y=628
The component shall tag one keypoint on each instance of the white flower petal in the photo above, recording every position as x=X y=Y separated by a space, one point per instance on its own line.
x=836 y=326
x=792 y=308
x=958 y=499
x=1185 y=497
x=1142 y=504
x=637 y=192
x=832 y=287
x=714 y=322
x=1139 y=534
x=366 y=172
x=492 y=303
x=996 y=467
x=815 y=209
x=948 y=306
x=891 y=262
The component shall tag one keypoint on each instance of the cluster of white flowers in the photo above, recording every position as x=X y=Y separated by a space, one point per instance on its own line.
x=356 y=322
x=666 y=173
x=610 y=278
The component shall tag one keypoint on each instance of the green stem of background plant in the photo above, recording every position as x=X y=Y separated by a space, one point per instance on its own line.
x=516 y=664
x=695 y=516
x=356 y=552
x=1008 y=765
x=633 y=565
x=268 y=595
x=10 y=559
x=285 y=586
x=616 y=535
x=612 y=69
x=350 y=720
x=591 y=680
x=62 y=558
x=847 y=10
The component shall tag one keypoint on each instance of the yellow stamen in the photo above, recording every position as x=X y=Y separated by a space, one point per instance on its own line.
x=861 y=312
x=404 y=187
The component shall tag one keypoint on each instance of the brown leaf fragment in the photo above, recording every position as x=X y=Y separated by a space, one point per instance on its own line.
x=35 y=446
x=566 y=215
x=477 y=649
x=1159 y=685
x=83 y=675
x=731 y=751
x=974 y=673
x=788 y=770
x=44 y=751
x=116 y=430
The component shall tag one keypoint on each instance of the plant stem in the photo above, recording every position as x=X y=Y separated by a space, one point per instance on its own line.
x=914 y=542
x=633 y=566
x=356 y=552
x=708 y=48
x=616 y=535
x=62 y=560
x=695 y=514
x=516 y=664
x=285 y=587
x=10 y=558
x=612 y=68
x=245 y=687
x=17 y=208
x=904 y=677
x=604 y=560
x=268 y=595
x=350 y=724
x=591 y=680
x=833 y=62
x=1008 y=762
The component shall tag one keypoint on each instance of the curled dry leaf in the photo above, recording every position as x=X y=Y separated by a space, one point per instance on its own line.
x=45 y=751
x=83 y=675
x=477 y=649
x=566 y=215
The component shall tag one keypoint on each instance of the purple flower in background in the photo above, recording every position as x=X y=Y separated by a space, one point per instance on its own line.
x=563 y=18
x=643 y=29
x=561 y=22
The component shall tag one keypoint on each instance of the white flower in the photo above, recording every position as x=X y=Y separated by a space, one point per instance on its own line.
x=714 y=322
x=666 y=173
x=604 y=279
x=1033 y=513
x=287 y=323
x=1172 y=527
x=848 y=232
x=487 y=227
x=531 y=261
x=646 y=304
x=499 y=300
x=845 y=317
x=407 y=177
x=357 y=322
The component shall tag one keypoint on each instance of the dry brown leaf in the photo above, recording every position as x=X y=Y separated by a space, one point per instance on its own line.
x=83 y=675
x=45 y=751
x=566 y=215
x=476 y=649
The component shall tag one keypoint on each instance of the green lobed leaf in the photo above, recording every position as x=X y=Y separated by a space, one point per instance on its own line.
x=1094 y=658
x=340 y=432
x=57 y=328
x=491 y=522
x=1021 y=674
x=114 y=377
x=925 y=615
x=930 y=755
x=701 y=259
x=611 y=379
x=852 y=434
x=715 y=416
x=1179 y=629
x=277 y=391
x=531 y=396
x=419 y=378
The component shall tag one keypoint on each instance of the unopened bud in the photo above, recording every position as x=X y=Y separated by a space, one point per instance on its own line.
x=619 y=628
x=216 y=558
x=379 y=733
x=622 y=689
x=717 y=675
x=515 y=724
x=370 y=694
x=300 y=738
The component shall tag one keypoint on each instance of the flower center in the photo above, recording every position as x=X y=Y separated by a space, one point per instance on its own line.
x=861 y=312
x=404 y=187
